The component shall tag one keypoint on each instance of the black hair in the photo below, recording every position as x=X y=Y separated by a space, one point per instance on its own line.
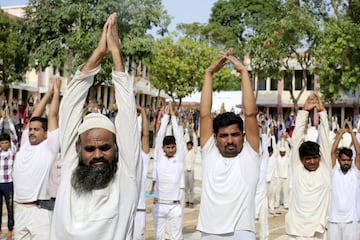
x=346 y=151
x=309 y=148
x=5 y=137
x=44 y=122
x=168 y=140
x=226 y=119
x=270 y=149
x=190 y=142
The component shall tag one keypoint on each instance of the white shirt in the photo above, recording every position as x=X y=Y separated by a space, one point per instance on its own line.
x=168 y=170
x=106 y=213
x=282 y=166
x=228 y=191
x=344 y=195
x=32 y=167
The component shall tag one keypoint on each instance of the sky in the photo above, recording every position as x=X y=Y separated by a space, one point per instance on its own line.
x=182 y=11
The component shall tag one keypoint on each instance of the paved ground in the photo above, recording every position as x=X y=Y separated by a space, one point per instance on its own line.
x=276 y=224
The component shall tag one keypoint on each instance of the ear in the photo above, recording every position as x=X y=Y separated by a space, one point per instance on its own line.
x=78 y=147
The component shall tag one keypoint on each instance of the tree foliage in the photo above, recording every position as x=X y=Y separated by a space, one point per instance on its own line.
x=338 y=64
x=13 y=57
x=63 y=33
x=178 y=67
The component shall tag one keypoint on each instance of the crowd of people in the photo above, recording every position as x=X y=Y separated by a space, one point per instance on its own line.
x=80 y=172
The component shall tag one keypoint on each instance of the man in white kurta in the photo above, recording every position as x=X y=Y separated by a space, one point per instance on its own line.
x=310 y=194
x=106 y=213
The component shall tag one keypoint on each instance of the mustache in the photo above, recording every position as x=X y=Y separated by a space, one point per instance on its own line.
x=99 y=160
x=230 y=144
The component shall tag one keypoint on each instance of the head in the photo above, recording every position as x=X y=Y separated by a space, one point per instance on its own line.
x=98 y=154
x=270 y=151
x=37 y=130
x=228 y=133
x=4 y=141
x=309 y=153
x=189 y=145
x=282 y=151
x=169 y=146
x=345 y=159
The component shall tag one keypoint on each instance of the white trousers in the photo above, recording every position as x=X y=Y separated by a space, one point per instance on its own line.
x=172 y=213
x=243 y=235
x=282 y=184
x=343 y=231
x=263 y=220
x=31 y=222
x=139 y=225
x=271 y=189
x=318 y=236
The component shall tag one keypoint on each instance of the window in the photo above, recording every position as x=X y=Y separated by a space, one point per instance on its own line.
x=262 y=83
x=287 y=81
x=310 y=82
x=273 y=84
x=298 y=79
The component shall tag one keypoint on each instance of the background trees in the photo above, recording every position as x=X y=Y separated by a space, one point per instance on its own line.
x=63 y=33
x=321 y=35
x=13 y=57
x=178 y=67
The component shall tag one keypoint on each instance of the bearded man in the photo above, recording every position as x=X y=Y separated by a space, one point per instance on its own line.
x=101 y=169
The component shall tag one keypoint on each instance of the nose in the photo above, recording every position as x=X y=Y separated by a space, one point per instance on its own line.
x=98 y=154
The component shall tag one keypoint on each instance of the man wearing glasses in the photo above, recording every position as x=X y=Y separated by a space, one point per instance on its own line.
x=311 y=177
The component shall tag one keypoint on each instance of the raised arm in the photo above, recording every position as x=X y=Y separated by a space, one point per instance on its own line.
x=13 y=136
x=301 y=121
x=324 y=140
x=335 y=145
x=206 y=127
x=349 y=129
x=114 y=45
x=144 y=131
x=39 y=109
x=101 y=51
x=249 y=104
x=53 y=121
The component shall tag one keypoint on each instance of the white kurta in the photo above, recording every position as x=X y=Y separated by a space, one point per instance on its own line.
x=310 y=194
x=106 y=213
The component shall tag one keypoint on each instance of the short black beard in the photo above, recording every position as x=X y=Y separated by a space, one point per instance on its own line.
x=345 y=169
x=86 y=178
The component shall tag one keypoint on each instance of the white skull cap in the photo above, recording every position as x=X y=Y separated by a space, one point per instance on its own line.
x=96 y=120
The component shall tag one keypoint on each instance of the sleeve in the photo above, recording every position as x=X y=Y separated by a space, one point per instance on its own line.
x=297 y=137
x=325 y=144
x=127 y=129
x=160 y=136
x=195 y=141
x=13 y=135
x=178 y=138
x=53 y=140
x=70 y=115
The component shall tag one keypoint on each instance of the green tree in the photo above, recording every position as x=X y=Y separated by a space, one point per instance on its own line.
x=178 y=67
x=286 y=42
x=13 y=57
x=338 y=64
x=63 y=33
